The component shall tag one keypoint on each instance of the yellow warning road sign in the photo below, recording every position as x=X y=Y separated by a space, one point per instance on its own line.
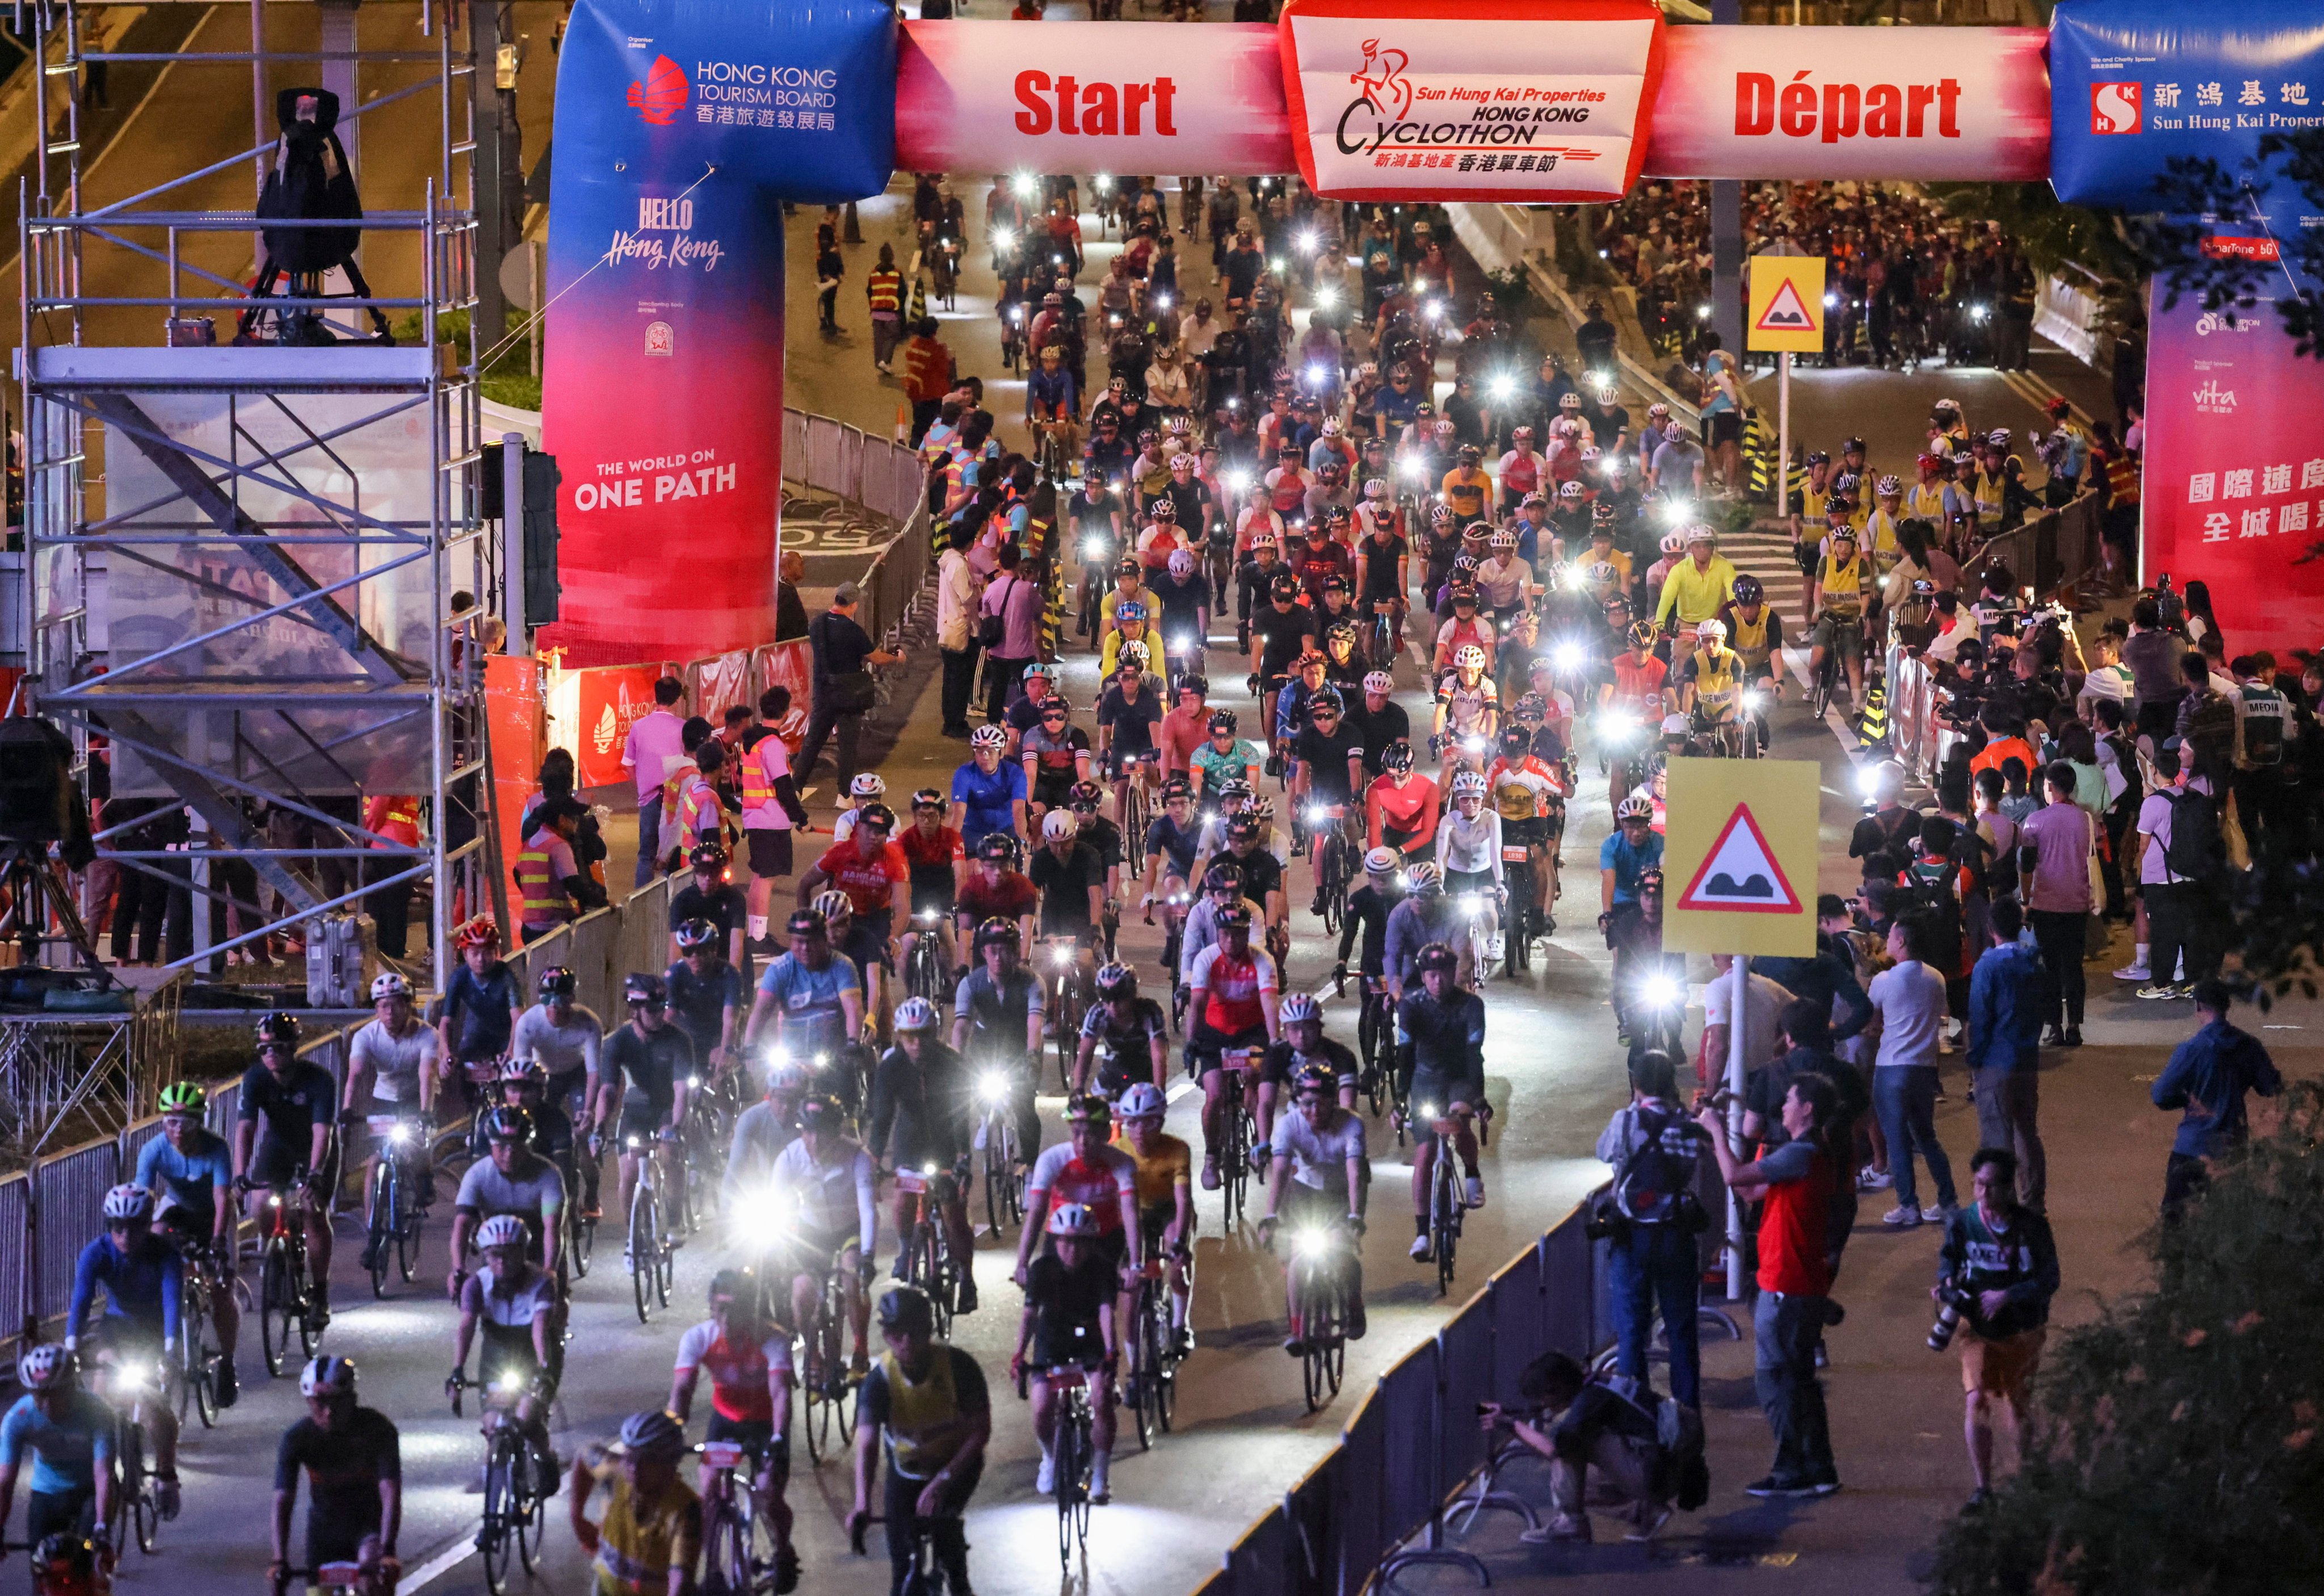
x=1740 y=857
x=1786 y=309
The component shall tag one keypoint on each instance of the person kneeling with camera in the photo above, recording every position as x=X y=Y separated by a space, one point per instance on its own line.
x=1615 y=1423
x=1998 y=1271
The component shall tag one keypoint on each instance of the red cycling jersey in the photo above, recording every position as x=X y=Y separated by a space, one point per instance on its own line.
x=737 y=1370
x=1410 y=809
x=1640 y=687
x=1232 y=988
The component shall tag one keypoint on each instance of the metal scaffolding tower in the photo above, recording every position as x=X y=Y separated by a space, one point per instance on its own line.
x=241 y=559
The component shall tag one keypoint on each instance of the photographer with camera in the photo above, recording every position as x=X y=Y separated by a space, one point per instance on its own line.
x=1614 y=1423
x=1996 y=1275
x=1652 y=1217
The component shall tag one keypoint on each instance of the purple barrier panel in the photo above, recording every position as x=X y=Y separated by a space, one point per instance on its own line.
x=1520 y=1323
x=69 y=1195
x=1465 y=1349
x=1407 y=1397
x=1313 y=1522
x=1360 y=1487
x=1570 y=1294
x=1258 y=1562
x=14 y=1193
x=1601 y=1295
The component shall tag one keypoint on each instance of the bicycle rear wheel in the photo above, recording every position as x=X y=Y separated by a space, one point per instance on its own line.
x=202 y=1358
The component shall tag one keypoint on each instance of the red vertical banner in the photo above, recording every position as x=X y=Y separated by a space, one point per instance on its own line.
x=792 y=665
x=515 y=728
x=2233 y=489
x=595 y=709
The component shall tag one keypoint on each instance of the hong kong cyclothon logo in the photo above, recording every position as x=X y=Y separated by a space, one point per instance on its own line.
x=662 y=96
x=1381 y=84
x=2114 y=106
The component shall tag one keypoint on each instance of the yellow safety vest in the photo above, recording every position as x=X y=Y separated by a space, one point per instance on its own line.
x=1750 y=642
x=1812 y=503
x=1928 y=502
x=1716 y=676
x=886 y=289
x=541 y=894
x=926 y=1426
x=1843 y=588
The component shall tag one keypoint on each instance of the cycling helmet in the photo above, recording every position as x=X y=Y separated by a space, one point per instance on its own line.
x=1999 y=437
x=1178 y=787
x=733 y=1285
x=278 y=1028
x=1382 y=861
x=991 y=737
x=787 y=1076
x=1468 y=656
x=1843 y=533
x=1128 y=566
x=1071 y=1218
x=821 y=1113
x=1163 y=509
x=1222 y=877
x=326 y=1374
x=557 y=982
x=1037 y=669
x=184 y=1098
x=1747 y=590
x=1234 y=917
x=1182 y=561
x=389 y=985
x=1440 y=516
x=1314 y=1077
x=707 y=856
x=1327 y=701
x=1376 y=488
x=1926 y=460
x=1888 y=486
x=501 y=1230
x=1116 y=980
x=1243 y=827
x=645 y=987
x=1087 y=1108
x=1053 y=703
x=1058 y=824
x=1298 y=1008
x=1339 y=515
x=1224 y=719
x=1591 y=455
x=1571 y=490
x=696 y=933
x=1699 y=533
x=996 y=931
x=1602 y=519
x=1379 y=681
x=1650 y=879
x=1435 y=956
x=1084 y=794
x=1285 y=585
x=1469 y=453
x=1675 y=725
x=1532 y=706
x=1142 y=1100
x=127 y=1203
x=1133 y=611
x=509 y=1124
x=1638 y=806
x=833 y=904
x=1191 y=682
x=478 y=931
x=904 y=1310
x=1673 y=543
x=1134 y=658
x=804 y=922
x=652 y=1433
x=1710 y=631
x=1657 y=410
x=1854 y=445
x=998 y=846
x=877 y=816
x=1396 y=757
x=916 y=1014
x=1443 y=427
x=1464 y=566
x=1673 y=431
x=1235 y=791
x=1424 y=879
x=1642 y=634
x=1505 y=539
x=47 y=1367
x=1515 y=743
x=1818 y=457
x=1468 y=784
x=526 y=1071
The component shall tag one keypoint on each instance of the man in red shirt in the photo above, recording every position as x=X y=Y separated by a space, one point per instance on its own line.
x=933 y=852
x=996 y=889
x=867 y=868
x=1797 y=1182
x=1187 y=728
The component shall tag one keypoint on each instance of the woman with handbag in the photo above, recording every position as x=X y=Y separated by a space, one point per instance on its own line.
x=844 y=693
x=1009 y=620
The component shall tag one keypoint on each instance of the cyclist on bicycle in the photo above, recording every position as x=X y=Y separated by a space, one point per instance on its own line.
x=284 y=1124
x=867 y=868
x=1133 y=636
x=514 y=1180
x=1367 y=915
x=1071 y=1324
x=1343 y=667
x=1427 y=917
x=1264 y=881
x=1055 y=754
x=524 y=1084
x=827 y=1185
x=650 y=1537
x=1757 y=634
x=1053 y=404
x=1086 y=1171
x=1321 y=1177
x=565 y=1038
x=1224 y=759
x=998 y=1013
x=395 y=1054
x=1166 y=1195
x=1694 y=589
x=1101 y=836
x=1232 y=998
x=933 y=852
x=923 y=1118
x=1280 y=635
x=763 y=1130
x=1528 y=794
x=1844 y=587
x=353 y=1458
x=749 y=1361
x=1300 y=1044
x=189 y=1170
x=646 y=1067
x=1127 y=718
x=1469 y=853
x=811 y=1000
x=1173 y=838
x=1468 y=713
x=1400 y=805
x=705 y=999
x=988 y=792
x=1327 y=772
x=1130 y=1031
x=1440 y=1033
x=1710 y=683
x=476 y=1016
x=1185 y=591
x=929 y=1403
x=1462 y=630
x=1071 y=879
x=132 y=1344
x=516 y=1305
x=72 y=1435
x=1636 y=698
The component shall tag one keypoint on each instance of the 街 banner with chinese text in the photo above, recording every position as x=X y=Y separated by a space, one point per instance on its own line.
x=682 y=128
x=1470 y=99
x=2234 y=468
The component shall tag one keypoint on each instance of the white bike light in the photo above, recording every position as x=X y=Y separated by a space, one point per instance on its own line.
x=1663 y=991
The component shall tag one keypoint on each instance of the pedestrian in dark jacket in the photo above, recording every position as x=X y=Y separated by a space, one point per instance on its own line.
x=2209 y=1076
x=1998 y=1269
x=2005 y=993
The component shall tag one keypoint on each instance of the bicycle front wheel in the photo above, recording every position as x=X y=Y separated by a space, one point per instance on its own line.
x=379 y=1224
x=276 y=1306
x=495 y=1539
x=644 y=1243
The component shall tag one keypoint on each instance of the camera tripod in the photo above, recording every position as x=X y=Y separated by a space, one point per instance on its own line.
x=36 y=887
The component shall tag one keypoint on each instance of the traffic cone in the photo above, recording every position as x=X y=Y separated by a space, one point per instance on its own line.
x=903 y=425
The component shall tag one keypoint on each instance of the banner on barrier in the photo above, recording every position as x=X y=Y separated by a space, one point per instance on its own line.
x=1069 y=97
x=2138 y=83
x=1470 y=99
x=1809 y=103
x=791 y=665
x=2234 y=467
x=592 y=712
x=512 y=717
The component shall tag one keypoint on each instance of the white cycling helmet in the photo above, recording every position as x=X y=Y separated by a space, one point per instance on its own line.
x=833 y=904
x=1675 y=725
x=1382 y=861
x=128 y=1203
x=1503 y=538
x=1673 y=543
x=988 y=737
x=1571 y=490
x=1376 y=488
x=501 y=1230
x=326 y=1374
x=868 y=784
x=1182 y=563
x=1379 y=681
x=1071 y=1218
x=1699 y=533
x=47 y=1367
x=1142 y=1100
x=1468 y=784
x=916 y=1014
x=1299 y=1008
x=1468 y=657
x=1423 y=878
x=1058 y=824
x=1711 y=632
x=389 y=985
x=1637 y=806
x=1887 y=487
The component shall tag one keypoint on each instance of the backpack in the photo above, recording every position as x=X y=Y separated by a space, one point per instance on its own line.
x=1653 y=1186
x=2211 y=728
x=2195 y=851
x=1681 y=1471
x=1928 y=890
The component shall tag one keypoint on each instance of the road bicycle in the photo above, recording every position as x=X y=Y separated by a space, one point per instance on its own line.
x=1334 y=857
x=923 y=1575
x=1375 y=1040
x=197 y=1353
x=1072 y=1451
x=514 y=1474
x=650 y=1250
x=286 y=1281
x=1238 y=1132
x=131 y=1386
x=396 y=1209
x=1446 y=1204
x=1483 y=909
x=827 y=1394
x=929 y=1260
x=1516 y=872
x=925 y=973
x=1004 y=1166
x=1385 y=640
x=1317 y=1272
x=1069 y=1003
x=1152 y=1391
x=731 y=1523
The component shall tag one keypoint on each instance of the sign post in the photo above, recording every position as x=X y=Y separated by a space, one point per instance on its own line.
x=1740 y=854
x=1786 y=315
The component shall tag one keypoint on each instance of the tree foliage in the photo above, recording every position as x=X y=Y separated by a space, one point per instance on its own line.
x=2175 y=1447
x=2197 y=195
x=2050 y=234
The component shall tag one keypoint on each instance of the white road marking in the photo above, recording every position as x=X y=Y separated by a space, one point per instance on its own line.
x=442 y=1563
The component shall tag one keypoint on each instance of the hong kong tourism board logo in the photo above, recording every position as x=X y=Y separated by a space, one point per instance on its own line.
x=661 y=94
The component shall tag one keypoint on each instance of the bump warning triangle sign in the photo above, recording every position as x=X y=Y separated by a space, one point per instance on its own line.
x=1785 y=307
x=1785 y=313
x=1740 y=874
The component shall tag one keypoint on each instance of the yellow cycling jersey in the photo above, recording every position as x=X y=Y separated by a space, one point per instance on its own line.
x=1716 y=677
x=1749 y=640
x=1519 y=794
x=1814 y=502
x=1465 y=491
x=1842 y=586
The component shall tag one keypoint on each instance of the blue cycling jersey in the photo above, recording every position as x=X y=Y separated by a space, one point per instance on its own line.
x=190 y=1178
x=66 y=1448
x=1178 y=844
x=1447 y=1036
x=1628 y=863
x=987 y=800
x=808 y=1000
x=142 y=1286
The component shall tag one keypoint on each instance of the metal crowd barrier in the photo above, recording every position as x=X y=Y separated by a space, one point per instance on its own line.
x=831 y=456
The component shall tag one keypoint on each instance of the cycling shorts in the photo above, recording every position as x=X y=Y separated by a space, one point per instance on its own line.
x=274 y=1161
x=866 y=941
x=1209 y=1042
x=1053 y=790
x=808 y=1248
x=1847 y=636
x=1433 y=1089
x=1457 y=881
x=933 y=890
x=757 y=1436
x=1525 y=834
